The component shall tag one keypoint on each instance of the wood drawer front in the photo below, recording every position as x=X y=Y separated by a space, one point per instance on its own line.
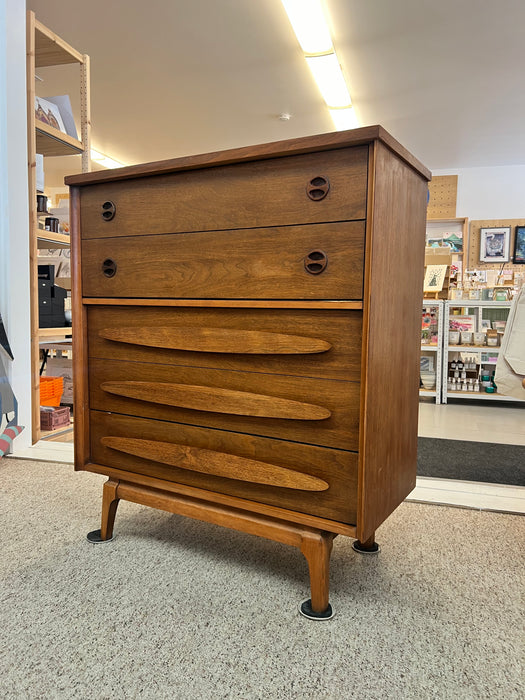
x=270 y=192
x=143 y=334
x=314 y=480
x=270 y=263
x=315 y=411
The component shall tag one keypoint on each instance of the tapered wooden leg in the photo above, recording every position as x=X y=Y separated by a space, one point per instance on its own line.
x=110 y=503
x=317 y=547
x=369 y=546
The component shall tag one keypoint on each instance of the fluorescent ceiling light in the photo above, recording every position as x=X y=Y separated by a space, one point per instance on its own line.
x=344 y=118
x=309 y=24
x=330 y=80
x=104 y=160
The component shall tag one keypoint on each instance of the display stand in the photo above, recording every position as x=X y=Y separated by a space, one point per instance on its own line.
x=432 y=348
x=486 y=356
x=46 y=49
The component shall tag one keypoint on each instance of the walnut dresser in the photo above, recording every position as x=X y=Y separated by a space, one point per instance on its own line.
x=247 y=337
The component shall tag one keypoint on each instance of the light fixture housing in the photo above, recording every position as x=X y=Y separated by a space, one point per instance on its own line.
x=311 y=29
x=309 y=24
x=104 y=160
x=329 y=77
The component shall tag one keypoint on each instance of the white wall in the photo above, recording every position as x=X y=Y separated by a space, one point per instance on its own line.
x=490 y=193
x=14 y=216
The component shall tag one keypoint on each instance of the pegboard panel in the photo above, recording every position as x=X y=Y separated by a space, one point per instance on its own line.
x=443 y=190
x=473 y=260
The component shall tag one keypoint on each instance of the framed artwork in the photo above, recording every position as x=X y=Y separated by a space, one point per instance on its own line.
x=434 y=278
x=519 y=246
x=494 y=245
x=49 y=113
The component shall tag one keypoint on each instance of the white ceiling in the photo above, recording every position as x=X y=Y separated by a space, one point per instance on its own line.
x=176 y=77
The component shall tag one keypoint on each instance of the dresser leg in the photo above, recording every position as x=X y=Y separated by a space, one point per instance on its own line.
x=110 y=502
x=369 y=546
x=317 y=547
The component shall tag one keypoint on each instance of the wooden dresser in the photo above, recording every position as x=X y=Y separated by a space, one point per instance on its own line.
x=247 y=336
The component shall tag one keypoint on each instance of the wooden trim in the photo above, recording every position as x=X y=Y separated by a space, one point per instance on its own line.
x=33 y=226
x=80 y=341
x=217 y=400
x=322 y=142
x=367 y=282
x=240 y=503
x=209 y=339
x=228 y=303
x=52 y=50
x=205 y=461
x=85 y=113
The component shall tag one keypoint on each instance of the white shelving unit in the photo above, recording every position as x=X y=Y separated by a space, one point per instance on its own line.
x=481 y=352
x=434 y=350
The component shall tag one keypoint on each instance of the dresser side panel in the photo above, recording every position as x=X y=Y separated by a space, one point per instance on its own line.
x=392 y=317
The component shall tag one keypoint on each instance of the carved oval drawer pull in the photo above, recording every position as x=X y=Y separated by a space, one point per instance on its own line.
x=108 y=211
x=109 y=268
x=318 y=188
x=315 y=262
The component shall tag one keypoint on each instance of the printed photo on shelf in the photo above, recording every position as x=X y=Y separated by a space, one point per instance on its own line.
x=454 y=241
x=462 y=323
x=48 y=113
x=434 y=278
x=519 y=246
x=494 y=244
x=427 y=363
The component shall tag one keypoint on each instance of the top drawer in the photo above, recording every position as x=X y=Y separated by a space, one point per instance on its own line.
x=310 y=188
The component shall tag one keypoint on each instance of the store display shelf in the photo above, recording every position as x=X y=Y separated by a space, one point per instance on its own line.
x=52 y=142
x=480 y=396
x=473 y=348
x=427 y=392
x=429 y=347
x=48 y=240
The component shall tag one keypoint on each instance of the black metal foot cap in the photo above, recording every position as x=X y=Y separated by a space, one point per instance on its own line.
x=95 y=537
x=306 y=610
x=357 y=547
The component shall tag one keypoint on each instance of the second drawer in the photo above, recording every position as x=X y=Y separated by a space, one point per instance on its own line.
x=315 y=411
x=319 y=261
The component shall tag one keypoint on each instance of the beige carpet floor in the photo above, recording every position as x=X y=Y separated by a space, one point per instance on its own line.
x=175 y=608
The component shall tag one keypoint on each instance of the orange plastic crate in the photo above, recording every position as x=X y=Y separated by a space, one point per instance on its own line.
x=51 y=390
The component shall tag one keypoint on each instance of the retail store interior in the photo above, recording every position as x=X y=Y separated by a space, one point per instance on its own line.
x=174 y=91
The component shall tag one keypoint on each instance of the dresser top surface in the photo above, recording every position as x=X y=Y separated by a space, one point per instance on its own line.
x=306 y=144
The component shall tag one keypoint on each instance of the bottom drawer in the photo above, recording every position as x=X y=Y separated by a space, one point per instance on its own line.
x=303 y=478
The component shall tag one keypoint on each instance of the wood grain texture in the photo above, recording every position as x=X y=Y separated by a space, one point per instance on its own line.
x=216 y=400
x=339 y=428
x=247 y=195
x=337 y=467
x=308 y=144
x=310 y=304
x=170 y=487
x=216 y=340
x=264 y=263
x=392 y=320
x=220 y=464
x=342 y=330
x=80 y=341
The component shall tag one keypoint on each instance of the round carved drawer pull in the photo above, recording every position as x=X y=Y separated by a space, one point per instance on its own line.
x=108 y=211
x=109 y=268
x=315 y=262
x=318 y=188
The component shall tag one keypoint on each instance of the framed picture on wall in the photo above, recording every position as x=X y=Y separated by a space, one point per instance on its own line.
x=519 y=246
x=494 y=245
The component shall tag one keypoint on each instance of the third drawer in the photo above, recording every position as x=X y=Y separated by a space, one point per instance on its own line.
x=315 y=411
